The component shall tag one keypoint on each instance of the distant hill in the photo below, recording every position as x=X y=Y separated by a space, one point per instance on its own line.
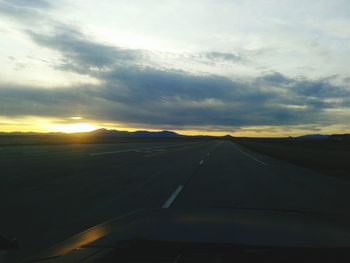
x=313 y=137
x=166 y=134
x=136 y=134
x=333 y=137
x=105 y=132
x=340 y=137
x=96 y=136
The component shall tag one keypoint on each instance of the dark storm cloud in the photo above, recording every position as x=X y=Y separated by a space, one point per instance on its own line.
x=214 y=57
x=132 y=93
x=306 y=89
x=275 y=78
x=321 y=89
x=29 y=100
x=80 y=53
x=147 y=83
x=223 y=56
x=166 y=99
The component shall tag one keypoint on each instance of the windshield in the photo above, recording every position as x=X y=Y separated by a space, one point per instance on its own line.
x=108 y=107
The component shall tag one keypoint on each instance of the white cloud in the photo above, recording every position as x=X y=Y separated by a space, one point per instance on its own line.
x=210 y=58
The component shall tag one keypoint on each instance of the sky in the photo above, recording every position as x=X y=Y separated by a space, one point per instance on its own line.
x=245 y=68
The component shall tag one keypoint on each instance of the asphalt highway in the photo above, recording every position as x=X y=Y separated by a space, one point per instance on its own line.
x=49 y=193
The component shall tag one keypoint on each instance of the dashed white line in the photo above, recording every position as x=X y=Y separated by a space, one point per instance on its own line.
x=143 y=151
x=135 y=150
x=201 y=162
x=247 y=154
x=172 y=198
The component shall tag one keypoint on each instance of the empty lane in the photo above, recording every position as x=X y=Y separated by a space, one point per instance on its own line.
x=53 y=196
x=48 y=200
x=235 y=177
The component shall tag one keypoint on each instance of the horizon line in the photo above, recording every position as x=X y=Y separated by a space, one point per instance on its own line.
x=155 y=131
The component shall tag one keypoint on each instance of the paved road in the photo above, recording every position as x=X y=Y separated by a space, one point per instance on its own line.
x=49 y=193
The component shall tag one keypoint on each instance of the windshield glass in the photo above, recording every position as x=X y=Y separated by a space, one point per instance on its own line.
x=108 y=107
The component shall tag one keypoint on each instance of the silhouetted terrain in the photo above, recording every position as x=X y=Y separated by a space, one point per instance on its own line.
x=327 y=154
x=97 y=136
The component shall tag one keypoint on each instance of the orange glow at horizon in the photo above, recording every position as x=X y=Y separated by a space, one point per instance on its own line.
x=75 y=124
x=74 y=127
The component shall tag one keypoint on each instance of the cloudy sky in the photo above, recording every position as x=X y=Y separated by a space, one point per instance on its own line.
x=256 y=68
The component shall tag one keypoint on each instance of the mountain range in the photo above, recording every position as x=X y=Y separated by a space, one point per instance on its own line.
x=127 y=134
x=162 y=134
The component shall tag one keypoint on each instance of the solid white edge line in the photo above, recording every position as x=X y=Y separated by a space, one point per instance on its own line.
x=172 y=198
x=201 y=162
x=247 y=154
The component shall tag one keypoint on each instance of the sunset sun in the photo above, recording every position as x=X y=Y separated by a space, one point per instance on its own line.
x=75 y=127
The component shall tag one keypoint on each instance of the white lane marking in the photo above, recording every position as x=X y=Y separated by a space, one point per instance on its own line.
x=201 y=162
x=137 y=149
x=172 y=198
x=163 y=151
x=247 y=154
x=177 y=258
x=143 y=151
